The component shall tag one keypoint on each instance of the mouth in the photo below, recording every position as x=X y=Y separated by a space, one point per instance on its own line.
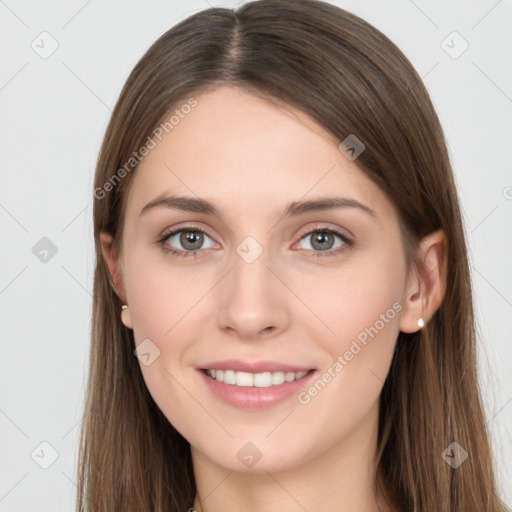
x=257 y=380
x=257 y=389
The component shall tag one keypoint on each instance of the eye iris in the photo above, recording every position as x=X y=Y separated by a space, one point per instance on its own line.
x=322 y=237
x=193 y=237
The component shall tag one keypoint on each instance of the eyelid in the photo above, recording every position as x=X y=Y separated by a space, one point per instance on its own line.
x=325 y=227
x=167 y=232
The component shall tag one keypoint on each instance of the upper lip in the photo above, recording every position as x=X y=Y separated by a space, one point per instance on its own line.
x=254 y=366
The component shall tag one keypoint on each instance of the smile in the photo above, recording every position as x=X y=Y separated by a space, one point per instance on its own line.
x=259 y=380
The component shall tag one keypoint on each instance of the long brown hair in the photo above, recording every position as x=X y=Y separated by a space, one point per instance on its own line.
x=351 y=79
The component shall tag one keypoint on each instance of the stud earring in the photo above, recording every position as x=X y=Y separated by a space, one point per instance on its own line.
x=421 y=323
x=126 y=316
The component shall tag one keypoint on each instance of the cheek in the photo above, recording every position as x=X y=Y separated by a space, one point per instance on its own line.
x=163 y=297
x=167 y=307
x=164 y=307
x=360 y=309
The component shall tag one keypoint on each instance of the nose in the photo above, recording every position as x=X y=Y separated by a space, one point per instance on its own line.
x=252 y=300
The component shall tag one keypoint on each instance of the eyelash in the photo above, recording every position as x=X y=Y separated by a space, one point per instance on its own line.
x=193 y=254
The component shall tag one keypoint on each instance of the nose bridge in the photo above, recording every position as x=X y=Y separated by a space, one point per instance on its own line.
x=251 y=278
x=249 y=302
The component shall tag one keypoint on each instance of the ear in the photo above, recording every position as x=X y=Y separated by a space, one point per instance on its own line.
x=114 y=267
x=113 y=264
x=426 y=287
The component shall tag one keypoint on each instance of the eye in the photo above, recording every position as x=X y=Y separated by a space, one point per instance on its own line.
x=190 y=238
x=323 y=240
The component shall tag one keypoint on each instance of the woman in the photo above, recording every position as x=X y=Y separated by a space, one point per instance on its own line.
x=282 y=303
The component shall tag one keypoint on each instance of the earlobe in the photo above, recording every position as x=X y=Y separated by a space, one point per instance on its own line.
x=126 y=316
x=426 y=285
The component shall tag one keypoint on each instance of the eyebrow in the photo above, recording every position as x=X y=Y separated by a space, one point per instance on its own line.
x=295 y=208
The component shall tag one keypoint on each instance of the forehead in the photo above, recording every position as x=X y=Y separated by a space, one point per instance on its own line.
x=250 y=154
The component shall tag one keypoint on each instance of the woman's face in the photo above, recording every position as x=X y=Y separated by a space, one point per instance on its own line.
x=261 y=286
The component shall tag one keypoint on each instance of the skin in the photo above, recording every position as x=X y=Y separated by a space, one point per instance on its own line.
x=251 y=159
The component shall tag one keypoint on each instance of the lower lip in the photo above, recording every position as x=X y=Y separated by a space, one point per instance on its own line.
x=245 y=397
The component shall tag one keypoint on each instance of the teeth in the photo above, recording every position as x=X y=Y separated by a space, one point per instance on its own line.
x=258 y=380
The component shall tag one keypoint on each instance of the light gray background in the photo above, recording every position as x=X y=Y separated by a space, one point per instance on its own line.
x=53 y=115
